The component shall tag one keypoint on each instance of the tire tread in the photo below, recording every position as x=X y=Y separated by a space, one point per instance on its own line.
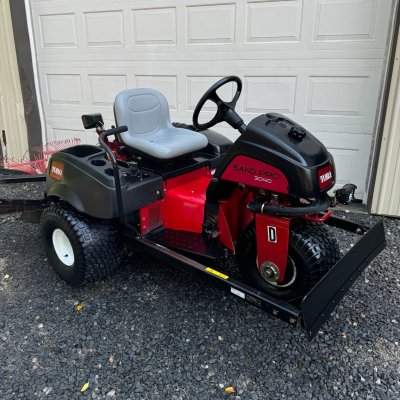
x=98 y=252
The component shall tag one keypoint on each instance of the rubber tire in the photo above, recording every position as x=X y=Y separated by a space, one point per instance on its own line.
x=94 y=242
x=311 y=248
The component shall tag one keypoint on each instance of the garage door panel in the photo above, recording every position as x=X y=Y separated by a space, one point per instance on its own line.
x=58 y=134
x=103 y=88
x=331 y=99
x=64 y=128
x=357 y=20
x=66 y=95
x=220 y=22
x=63 y=89
x=290 y=27
x=341 y=96
x=75 y=112
x=273 y=21
x=349 y=154
x=58 y=30
x=335 y=95
x=272 y=93
x=154 y=26
x=104 y=28
x=166 y=84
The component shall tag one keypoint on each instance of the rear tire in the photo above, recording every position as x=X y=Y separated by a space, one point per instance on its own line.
x=81 y=249
x=312 y=252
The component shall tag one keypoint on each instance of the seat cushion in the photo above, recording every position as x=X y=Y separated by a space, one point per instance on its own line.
x=146 y=114
x=169 y=143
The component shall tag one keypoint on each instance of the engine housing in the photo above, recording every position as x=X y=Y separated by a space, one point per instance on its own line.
x=277 y=154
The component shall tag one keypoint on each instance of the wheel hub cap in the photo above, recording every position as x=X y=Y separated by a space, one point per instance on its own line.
x=270 y=272
x=63 y=247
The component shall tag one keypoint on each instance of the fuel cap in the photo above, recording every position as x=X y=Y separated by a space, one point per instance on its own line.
x=297 y=132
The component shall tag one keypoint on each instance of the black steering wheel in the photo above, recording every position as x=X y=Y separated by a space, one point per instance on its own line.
x=226 y=111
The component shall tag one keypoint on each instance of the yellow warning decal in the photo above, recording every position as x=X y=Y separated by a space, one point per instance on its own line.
x=217 y=273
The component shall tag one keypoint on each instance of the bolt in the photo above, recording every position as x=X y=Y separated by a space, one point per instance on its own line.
x=268 y=273
x=292 y=320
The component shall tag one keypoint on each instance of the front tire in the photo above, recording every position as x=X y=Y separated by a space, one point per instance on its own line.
x=312 y=252
x=81 y=249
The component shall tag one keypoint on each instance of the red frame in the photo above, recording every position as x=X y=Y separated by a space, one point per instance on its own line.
x=318 y=217
x=234 y=217
x=274 y=251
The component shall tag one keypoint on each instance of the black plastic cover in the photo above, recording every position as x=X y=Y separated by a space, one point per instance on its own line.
x=269 y=138
x=217 y=144
x=88 y=183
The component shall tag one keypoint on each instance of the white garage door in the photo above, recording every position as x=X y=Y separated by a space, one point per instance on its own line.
x=320 y=62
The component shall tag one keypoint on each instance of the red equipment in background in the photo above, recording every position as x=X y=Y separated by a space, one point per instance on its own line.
x=35 y=159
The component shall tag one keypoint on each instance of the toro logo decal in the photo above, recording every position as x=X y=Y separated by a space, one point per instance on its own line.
x=325 y=177
x=56 y=170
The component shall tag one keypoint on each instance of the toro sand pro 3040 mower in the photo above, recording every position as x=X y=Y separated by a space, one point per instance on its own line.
x=190 y=196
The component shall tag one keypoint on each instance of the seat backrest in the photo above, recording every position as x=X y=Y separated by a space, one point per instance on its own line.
x=143 y=111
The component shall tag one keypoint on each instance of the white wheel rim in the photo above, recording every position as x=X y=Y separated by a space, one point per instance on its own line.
x=63 y=247
x=293 y=278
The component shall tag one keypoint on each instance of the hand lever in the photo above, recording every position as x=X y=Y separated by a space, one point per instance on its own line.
x=139 y=173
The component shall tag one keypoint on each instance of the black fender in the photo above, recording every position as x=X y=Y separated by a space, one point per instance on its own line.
x=63 y=192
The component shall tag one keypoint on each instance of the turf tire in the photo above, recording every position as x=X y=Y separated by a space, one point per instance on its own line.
x=94 y=243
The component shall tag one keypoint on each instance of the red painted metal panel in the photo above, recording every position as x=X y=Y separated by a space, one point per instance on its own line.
x=318 y=217
x=225 y=236
x=184 y=201
x=151 y=217
x=273 y=241
x=234 y=216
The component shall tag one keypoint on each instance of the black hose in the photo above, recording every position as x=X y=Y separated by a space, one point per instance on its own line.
x=316 y=207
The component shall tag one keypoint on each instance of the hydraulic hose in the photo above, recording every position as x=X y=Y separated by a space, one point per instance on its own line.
x=315 y=207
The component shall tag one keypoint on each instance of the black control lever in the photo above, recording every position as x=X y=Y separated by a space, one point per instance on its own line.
x=139 y=172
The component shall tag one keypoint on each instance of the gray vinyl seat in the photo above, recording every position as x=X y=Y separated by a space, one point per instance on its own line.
x=146 y=114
